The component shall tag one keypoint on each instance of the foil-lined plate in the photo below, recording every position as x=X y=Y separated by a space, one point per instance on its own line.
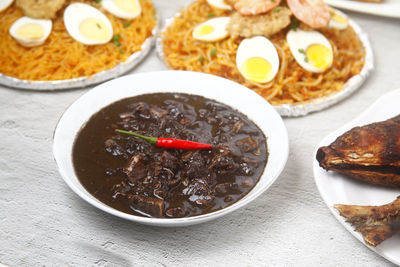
x=303 y=108
x=81 y=82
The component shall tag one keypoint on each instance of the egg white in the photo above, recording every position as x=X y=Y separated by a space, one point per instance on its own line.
x=45 y=24
x=219 y=31
x=219 y=4
x=4 y=4
x=114 y=9
x=261 y=47
x=76 y=13
x=337 y=24
x=300 y=40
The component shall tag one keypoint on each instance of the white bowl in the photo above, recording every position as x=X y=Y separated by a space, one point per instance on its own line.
x=209 y=86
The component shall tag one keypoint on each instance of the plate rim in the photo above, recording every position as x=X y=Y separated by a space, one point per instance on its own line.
x=175 y=222
x=355 y=6
x=81 y=82
x=304 y=108
x=325 y=141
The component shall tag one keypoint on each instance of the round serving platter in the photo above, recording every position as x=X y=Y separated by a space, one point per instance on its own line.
x=81 y=82
x=301 y=109
x=388 y=8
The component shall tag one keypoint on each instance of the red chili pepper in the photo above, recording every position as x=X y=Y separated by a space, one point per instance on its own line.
x=169 y=142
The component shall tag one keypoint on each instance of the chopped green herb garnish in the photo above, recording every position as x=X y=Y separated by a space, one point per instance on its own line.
x=127 y=24
x=98 y=25
x=97 y=1
x=302 y=51
x=294 y=24
x=116 y=37
x=272 y=0
x=210 y=15
x=121 y=51
x=201 y=59
x=277 y=9
x=115 y=40
x=213 y=52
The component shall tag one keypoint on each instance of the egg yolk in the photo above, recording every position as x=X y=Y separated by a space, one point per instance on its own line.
x=205 y=29
x=94 y=29
x=30 y=31
x=336 y=17
x=256 y=69
x=129 y=6
x=319 y=56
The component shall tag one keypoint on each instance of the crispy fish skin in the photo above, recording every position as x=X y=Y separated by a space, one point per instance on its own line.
x=369 y=153
x=375 y=223
x=264 y=24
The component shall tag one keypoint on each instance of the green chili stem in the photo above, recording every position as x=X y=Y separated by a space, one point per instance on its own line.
x=151 y=140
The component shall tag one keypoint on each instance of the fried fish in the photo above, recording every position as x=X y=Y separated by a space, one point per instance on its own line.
x=369 y=153
x=375 y=223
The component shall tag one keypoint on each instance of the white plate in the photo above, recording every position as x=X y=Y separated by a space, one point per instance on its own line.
x=96 y=78
x=388 y=8
x=338 y=189
x=209 y=86
x=302 y=109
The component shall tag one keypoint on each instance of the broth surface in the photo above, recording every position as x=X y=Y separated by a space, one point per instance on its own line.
x=135 y=177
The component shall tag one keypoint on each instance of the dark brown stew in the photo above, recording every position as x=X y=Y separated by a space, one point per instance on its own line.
x=135 y=177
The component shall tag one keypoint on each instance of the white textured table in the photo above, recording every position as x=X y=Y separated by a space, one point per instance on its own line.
x=42 y=222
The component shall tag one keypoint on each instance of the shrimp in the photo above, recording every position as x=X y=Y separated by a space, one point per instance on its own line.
x=254 y=7
x=314 y=13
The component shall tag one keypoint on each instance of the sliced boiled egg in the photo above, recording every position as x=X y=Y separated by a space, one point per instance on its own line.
x=338 y=21
x=4 y=4
x=31 y=32
x=212 y=30
x=311 y=50
x=257 y=59
x=125 y=9
x=219 y=4
x=87 y=25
